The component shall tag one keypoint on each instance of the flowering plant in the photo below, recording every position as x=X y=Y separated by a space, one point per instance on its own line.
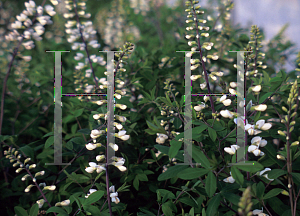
x=132 y=144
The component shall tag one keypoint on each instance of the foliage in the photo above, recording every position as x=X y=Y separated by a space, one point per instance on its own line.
x=151 y=173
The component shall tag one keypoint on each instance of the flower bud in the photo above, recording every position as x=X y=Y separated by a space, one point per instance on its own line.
x=52 y=187
x=280 y=157
x=280 y=133
x=26 y=160
x=28 y=188
x=19 y=170
x=32 y=166
x=284 y=109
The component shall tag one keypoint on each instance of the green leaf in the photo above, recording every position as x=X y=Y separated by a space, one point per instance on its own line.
x=85 y=131
x=69 y=145
x=153 y=93
x=213 y=205
x=265 y=96
x=296 y=177
x=20 y=211
x=34 y=210
x=188 y=201
x=275 y=173
x=260 y=189
x=171 y=172
x=237 y=175
x=233 y=198
x=142 y=177
x=212 y=134
x=78 y=112
x=48 y=134
x=200 y=157
x=211 y=184
x=92 y=209
x=166 y=210
x=175 y=146
x=253 y=167
x=49 y=141
x=94 y=197
x=272 y=193
x=177 y=123
x=136 y=183
x=192 y=173
x=56 y=210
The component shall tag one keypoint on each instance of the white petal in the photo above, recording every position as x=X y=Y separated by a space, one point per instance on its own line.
x=266 y=126
x=260 y=123
x=229 y=150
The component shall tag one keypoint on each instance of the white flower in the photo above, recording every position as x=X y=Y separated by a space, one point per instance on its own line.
x=40 y=10
x=50 y=10
x=252 y=148
x=78 y=56
x=256 y=88
x=125 y=137
x=121 y=133
x=199 y=107
x=95 y=134
x=223 y=98
x=261 y=107
x=40 y=203
x=90 y=192
x=226 y=114
x=51 y=187
x=39 y=29
x=227 y=102
x=122 y=118
x=119 y=164
x=266 y=126
x=93 y=167
x=28 y=45
x=65 y=202
x=232 y=91
x=232 y=149
x=258 y=141
x=203 y=85
x=28 y=23
x=114 y=146
x=230 y=179
x=16 y=25
x=262 y=125
x=90 y=146
x=114 y=197
x=100 y=157
x=259 y=212
x=22 y=17
x=30 y=4
x=233 y=84
x=205 y=98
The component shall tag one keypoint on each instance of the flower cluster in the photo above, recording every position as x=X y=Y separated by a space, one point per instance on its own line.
x=14 y=158
x=33 y=30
